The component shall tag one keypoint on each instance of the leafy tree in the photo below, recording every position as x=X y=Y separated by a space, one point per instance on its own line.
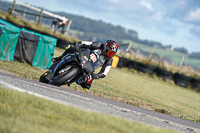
x=195 y=55
x=181 y=50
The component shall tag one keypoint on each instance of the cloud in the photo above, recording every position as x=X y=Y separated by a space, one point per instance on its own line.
x=147 y=5
x=114 y=1
x=157 y=16
x=194 y=16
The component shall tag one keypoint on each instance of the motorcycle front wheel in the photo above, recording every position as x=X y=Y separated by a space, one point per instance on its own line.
x=60 y=79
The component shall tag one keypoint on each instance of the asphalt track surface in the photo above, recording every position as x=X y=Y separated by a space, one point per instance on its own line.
x=97 y=104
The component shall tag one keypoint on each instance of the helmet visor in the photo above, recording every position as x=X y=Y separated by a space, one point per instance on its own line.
x=109 y=53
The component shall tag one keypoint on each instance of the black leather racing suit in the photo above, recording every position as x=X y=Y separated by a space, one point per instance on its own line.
x=102 y=60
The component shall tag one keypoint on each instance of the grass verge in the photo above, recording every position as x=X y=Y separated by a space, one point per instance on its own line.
x=129 y=87
x=20 y=112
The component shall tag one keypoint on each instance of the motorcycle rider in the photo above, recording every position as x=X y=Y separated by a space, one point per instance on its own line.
x=103 y=53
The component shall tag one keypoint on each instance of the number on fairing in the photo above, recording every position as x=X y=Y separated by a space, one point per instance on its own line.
x=93 y=57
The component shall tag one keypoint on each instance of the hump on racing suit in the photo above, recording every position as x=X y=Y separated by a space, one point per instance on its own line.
x=102 y=60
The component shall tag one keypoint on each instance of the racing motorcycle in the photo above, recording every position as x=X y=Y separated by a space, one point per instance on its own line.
x=71 y=68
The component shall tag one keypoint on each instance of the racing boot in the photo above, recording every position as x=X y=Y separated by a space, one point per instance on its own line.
x=83 y=79
x=85 y=82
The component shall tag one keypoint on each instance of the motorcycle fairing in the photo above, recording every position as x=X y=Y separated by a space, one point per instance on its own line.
x=62 y=63
x=86 y=63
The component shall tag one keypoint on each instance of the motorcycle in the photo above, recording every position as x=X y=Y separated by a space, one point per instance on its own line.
x=71 y=68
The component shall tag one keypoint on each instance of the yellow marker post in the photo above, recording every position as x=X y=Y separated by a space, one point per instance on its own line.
x=115 y=61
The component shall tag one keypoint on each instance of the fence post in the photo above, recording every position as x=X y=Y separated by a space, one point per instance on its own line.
x=56 y=26
x=129 y=47
x=68 y=26
x=36 y=19
x=151 y=54
x=181 y=62
x=160 y=62
x=137 y=52
x=23 y=17
x=40 y=16
x=12 y=9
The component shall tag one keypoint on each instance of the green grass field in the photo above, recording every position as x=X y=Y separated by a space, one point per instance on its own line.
x=20 y=112
x=129 y=87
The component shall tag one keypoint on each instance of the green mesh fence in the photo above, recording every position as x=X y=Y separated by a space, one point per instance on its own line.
x=25 y=45
x=8 y=39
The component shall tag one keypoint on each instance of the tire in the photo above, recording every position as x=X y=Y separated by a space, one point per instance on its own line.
x=146 y=68
x=181 y=80
x=132 y=64
x=121 y=62
x=61 y=79
x=163 y=73
x=195 y=84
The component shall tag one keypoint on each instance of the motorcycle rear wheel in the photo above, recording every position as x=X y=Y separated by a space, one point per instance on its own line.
x=60 y=80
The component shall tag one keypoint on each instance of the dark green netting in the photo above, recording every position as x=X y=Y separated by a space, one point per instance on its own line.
x=26 y=47
x=45 y=50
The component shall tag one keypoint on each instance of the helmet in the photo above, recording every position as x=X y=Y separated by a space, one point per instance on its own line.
x=110 y=48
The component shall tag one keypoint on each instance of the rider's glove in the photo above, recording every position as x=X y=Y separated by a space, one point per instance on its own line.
x=74 y=47
x=94 y=76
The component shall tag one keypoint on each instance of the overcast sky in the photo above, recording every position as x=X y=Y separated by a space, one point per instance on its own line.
x=175 y=22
